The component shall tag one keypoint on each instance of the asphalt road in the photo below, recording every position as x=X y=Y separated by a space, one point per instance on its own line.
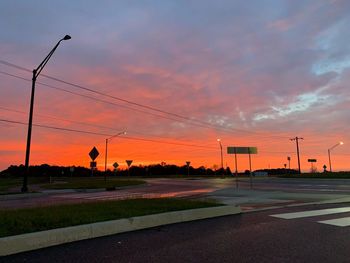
x=183 y=188
x=250 y=237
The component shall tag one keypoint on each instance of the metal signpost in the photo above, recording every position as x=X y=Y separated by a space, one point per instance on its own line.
x=93 y=155
x=312 y=161
x=115 y=165
x=288 y=158
x=71 y=169
x=188 y=167
x=128 y=162
x=243 y=150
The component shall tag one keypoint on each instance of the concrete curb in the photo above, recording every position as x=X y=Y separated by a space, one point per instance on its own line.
x=20 y=243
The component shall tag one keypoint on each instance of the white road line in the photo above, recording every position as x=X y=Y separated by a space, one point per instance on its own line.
x=313 y=213
x=319 y=189
x=345 y=221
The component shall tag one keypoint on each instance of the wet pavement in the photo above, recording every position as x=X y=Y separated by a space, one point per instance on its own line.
x=264 y=192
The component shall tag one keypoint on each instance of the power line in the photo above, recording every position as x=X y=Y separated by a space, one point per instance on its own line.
x=111 y=103
x=225 y=129
x=60 y=119
x=126 y=137
x=190 y=120
x=110 y=96
x=123 y=106
x=78 y=122
x=55 y=128
x=106 y=135
x=89 y=97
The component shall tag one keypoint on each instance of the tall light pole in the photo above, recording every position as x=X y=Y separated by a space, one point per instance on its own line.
x=222 y=160
x=329 y=154
x=116 y=135
x=36 y=73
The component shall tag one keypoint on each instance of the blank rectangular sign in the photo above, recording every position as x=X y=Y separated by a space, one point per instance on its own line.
x=242 y=150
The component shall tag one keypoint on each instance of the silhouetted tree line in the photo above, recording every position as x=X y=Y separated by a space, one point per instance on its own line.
x=78 y=171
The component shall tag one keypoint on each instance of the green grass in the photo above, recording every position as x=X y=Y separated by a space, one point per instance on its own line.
x=91 y=183
x=6 y=184
x=19 y=221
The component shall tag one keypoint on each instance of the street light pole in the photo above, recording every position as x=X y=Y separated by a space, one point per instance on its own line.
x=222 y=160
x=36 y=73
x=106 y=149
x=329 y=154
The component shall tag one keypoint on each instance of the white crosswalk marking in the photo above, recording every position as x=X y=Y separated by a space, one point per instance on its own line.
x=313 y=213
x=337 y=222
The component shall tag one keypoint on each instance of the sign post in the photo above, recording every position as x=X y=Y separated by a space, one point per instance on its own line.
x=288 y=158
x=93 y=155
x=128 y=162
x=71 y=169
x=250 y=169
x=243 y=150
x=312 y=161
x=188 y=168
x=235 y=151
x=115 y=165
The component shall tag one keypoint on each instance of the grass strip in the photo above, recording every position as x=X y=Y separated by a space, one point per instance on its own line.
x=20 y=221
x=91 y=183
x=16 y=182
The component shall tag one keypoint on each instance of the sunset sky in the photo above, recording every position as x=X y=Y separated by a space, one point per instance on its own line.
x=177 y=75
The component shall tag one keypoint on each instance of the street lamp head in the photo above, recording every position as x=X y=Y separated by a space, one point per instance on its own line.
x=341 y=143
x=219 y=140
x=66 y=37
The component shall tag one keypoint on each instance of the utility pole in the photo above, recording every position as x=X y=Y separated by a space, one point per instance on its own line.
x=297 y=141
x=222 y=159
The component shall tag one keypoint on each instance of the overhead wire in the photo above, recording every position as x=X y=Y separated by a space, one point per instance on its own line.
x=123 y=137
x=105 y=134
x=103 y=101
x=81 y=123
x=110 y=96
x=189 y=120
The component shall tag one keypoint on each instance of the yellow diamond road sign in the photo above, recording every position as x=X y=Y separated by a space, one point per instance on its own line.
x=93 y=153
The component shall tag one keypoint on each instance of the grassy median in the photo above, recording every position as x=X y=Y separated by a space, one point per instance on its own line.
x=13 y=185
x=91 y=183
x=20 y=221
